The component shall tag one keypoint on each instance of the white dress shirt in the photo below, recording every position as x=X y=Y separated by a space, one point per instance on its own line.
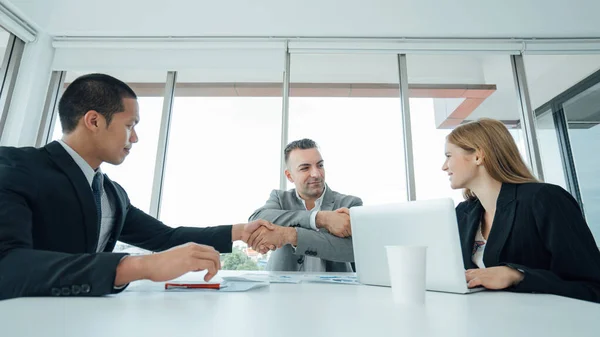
x=108 y=211
x=313 y=264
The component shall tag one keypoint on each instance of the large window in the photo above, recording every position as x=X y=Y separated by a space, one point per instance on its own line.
x=4 y=39
x=549 y=149
x=447 y=91
x=350 y=105
x=11 y=51
x=222 y=160
x=582 y=113
x=223 y=153
x=548 y=76
x=565 y=92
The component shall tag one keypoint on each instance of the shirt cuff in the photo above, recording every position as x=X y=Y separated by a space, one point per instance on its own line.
x=125 y=285
x=313 y=220
x=295 y=247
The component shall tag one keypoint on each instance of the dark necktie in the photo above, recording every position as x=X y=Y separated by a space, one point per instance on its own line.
x=97 y=190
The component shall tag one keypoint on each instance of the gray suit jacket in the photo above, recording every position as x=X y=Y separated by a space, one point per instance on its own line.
x=284 y=209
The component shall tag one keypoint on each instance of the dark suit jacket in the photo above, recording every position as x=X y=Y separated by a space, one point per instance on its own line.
x=539 y=229
x=49 y=232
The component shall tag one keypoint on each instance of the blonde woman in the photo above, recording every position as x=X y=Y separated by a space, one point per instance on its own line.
x=517 y=233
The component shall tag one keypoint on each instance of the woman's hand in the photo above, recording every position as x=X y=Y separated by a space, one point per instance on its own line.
x=495 y=278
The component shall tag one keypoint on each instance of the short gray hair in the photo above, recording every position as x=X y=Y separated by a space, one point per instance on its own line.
x=302 y=144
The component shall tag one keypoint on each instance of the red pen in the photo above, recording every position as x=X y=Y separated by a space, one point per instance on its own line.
x=215 y=286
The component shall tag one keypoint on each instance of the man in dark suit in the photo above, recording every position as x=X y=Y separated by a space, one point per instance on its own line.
x=60 y=217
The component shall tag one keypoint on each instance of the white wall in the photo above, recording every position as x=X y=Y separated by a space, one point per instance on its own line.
x=445 y=69
x=27 y=103
x=234 y=65
x=376 y=18
x=199 y=65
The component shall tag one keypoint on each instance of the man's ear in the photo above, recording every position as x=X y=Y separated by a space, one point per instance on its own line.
x=289 y=176
x=91 y=120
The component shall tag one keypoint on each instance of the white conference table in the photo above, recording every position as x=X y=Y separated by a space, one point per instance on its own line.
x=305 y=309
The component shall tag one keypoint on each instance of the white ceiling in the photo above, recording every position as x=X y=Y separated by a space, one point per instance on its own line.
x=349 y=18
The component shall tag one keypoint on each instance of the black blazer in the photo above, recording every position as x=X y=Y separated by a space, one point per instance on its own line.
x=538 y=228
x=49 y=232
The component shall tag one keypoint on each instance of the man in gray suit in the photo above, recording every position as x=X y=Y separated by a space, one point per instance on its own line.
x=313 y=231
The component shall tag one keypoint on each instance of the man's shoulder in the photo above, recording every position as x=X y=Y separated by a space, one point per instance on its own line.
x=344 y=197
x=282 y=194
x=19 y=155
x=20 y=166
x=18 y=151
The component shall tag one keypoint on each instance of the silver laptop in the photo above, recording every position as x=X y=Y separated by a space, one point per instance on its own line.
x=430 y=223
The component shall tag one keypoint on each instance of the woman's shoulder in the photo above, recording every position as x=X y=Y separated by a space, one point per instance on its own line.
x=540 y=189
x=543 y=195
x=466 y=206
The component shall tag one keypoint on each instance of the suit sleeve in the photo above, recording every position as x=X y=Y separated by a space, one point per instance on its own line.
x=575 y=265
x=324 y=245
x=25 y=271
x=144 y=231
x=273 y=212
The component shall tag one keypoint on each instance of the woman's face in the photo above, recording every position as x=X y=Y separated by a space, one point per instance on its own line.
x=460 y=165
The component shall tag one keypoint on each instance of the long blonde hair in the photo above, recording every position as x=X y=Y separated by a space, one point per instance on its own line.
x=501 y=156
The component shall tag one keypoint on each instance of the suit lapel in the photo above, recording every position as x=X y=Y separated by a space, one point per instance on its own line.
x=65 y=162
x=119 y=204
x=471 y=221
x=328 y=200
x=506 y=207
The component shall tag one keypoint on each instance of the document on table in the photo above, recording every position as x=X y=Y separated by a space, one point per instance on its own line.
x=257 y=277
x=294 y=278
x=324 y=278
x=225 y=286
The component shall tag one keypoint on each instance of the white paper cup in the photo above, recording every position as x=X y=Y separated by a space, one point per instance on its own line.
x=407 y=265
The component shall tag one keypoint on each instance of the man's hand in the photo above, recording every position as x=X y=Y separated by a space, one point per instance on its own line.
x=244 y=231
x=265 y=240
x=336 y=222
x=495 y=278
x=169 y=264
x=343 y=210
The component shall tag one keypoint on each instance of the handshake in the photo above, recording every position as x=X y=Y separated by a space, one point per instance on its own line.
x=263 y=236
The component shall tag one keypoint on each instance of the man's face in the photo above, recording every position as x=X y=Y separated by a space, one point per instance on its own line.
x=114 y=142
x=306 y=170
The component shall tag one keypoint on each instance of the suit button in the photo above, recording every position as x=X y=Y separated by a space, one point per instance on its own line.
x=65 y=291
x=55 y=292
x=75 y=289
x=85 y=288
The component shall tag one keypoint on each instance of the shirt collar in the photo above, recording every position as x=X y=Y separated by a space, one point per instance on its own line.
x=318 y=202
x=87 y=170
